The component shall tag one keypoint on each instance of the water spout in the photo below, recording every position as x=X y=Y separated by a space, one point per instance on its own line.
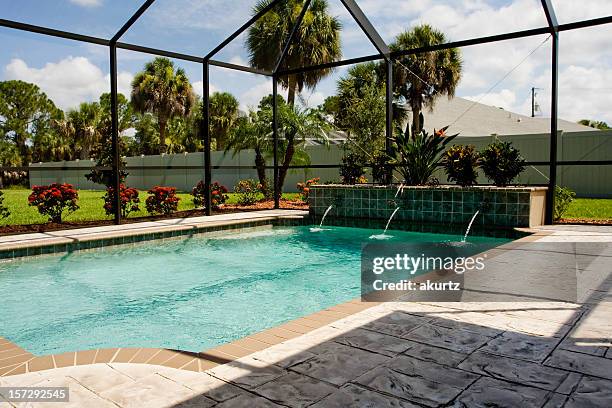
x=470 y=226
x=400 y=189
x=384 y=234
x=320 y=227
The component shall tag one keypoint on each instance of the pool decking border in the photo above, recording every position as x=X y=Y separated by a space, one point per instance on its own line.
x=71 y=240
x=14 y=360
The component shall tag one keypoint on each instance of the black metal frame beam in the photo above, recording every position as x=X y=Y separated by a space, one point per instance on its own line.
x=367 y=27
x=553 y=24
x=456 y=44
x=242 y=28
x=291 y=37
x=114 y=106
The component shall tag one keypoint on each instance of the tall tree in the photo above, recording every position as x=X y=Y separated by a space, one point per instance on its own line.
x=223 y=115
x=25 y=111
x=163 y=91
x=86 y=126
x=422 y=78
x=361 y=108
x=317 y=41
x=253 y=132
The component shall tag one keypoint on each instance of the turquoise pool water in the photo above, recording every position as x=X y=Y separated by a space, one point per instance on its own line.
x=188 y=294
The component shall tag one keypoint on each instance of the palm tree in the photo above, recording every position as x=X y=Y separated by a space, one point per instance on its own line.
x=161 y=90
x=253 y=132
x=85 y=123
x=223 y=114
x=422 y=78
x=317 y=41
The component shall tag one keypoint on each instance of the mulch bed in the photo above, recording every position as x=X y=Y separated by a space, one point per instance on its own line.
x=584 y=221
x=227 y=209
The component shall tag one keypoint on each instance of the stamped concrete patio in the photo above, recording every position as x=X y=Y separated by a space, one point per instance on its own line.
x=395 y=354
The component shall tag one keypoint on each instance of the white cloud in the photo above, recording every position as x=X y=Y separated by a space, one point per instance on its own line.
x=238 y=60
x=252 y=97
x=198 y=88
x=87 y=3
x=69 y=81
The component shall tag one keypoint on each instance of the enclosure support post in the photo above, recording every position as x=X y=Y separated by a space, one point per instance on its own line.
x=554 y=96
x=389 y=116
x=205 y=129
x=115 y=132
x=277 y=191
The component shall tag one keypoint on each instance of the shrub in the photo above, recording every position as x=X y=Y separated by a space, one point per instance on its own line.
x=418 y=156
x=4 y=212
x=247 y=191
x=381 y=169
x=218 y=195
x=129 y=200
x=501 y=163
x=162 y=200
x=352 y=168
x=304 y=188
x=460 y=163
x=563 y=199
x=268 y=189
x=54 y=199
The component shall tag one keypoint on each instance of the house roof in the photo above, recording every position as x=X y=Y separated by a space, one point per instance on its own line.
x=469 y=118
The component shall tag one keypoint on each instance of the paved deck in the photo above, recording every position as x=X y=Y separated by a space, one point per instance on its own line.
x=395 y=354
x=70 y=236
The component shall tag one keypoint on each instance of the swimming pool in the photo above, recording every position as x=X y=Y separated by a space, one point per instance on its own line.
x=188 y=294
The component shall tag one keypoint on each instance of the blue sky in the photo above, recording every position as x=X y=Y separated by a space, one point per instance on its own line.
x=71 y=72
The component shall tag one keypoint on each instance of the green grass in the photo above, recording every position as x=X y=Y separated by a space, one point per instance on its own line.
x=593 y=208
x=90 y=203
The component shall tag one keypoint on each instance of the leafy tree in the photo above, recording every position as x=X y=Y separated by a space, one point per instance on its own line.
x=595 y=124
x=147 y=134
x=163 y=91
x=223 y=115
x=317 y=41
x=361 y=108
x=9 y=157
x=25 y=113
x=422 y=78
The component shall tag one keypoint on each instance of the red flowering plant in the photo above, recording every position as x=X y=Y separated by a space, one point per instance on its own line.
x=304 y=188
x=54 y=199
x=218 y=195
x=162 y=200
x=129 y=200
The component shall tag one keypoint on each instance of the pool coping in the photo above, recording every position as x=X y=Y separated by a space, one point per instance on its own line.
x=71 y=240
x=15 y=360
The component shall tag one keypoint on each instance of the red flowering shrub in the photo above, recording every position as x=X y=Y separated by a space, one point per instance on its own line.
x=304 y=188
x=162 y=200
x=129 y=200
x=218 y=194
x=54 y=199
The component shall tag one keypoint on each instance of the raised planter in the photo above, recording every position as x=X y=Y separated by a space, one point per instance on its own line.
x=506 y=207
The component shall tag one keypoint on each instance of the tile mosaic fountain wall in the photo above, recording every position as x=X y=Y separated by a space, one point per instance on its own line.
x=451 y=205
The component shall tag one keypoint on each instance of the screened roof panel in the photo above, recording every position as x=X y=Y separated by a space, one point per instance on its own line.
x=458 y=20
x=189 y=26
x=98 y=18
x=571 y=11
x=353 y=42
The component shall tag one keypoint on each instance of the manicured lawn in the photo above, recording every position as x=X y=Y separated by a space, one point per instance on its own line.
x=90 y=203
x=599 y=209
